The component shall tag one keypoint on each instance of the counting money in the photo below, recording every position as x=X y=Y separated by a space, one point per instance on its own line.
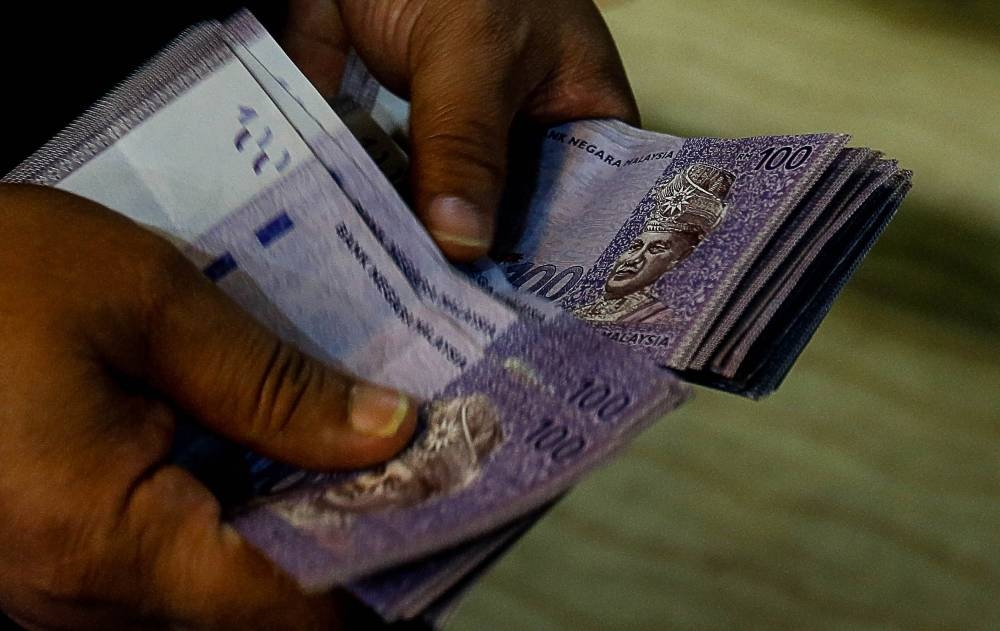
x=196 y=148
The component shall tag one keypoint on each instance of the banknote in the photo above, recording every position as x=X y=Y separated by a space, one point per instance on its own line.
x=381 y=209
x=842 y=182
x=775 y=284
x=351 y=150
x=779 y=293
x=517 y=409
x=692 y=249
x=715 y=257
x=704 y=253
x=848 y=215
x=350 y=155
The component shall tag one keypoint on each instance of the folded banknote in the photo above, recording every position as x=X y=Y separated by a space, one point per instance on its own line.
x=620 y=249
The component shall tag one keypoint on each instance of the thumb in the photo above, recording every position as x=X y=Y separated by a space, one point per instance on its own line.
x=462 y=109
x=223 y=368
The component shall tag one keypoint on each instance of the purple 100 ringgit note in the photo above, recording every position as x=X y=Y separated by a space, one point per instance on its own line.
x=647 y=237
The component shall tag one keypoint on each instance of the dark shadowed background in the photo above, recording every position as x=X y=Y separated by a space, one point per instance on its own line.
x=866 y=492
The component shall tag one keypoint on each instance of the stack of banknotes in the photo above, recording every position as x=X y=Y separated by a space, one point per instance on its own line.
x=629 y=263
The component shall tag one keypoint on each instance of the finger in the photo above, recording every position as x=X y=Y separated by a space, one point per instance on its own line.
x=191 y=570
x=315 y=39
x=224 y=369
x=589 y=80
x=464 y=95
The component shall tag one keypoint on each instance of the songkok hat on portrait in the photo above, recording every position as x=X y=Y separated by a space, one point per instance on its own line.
x=692 y=202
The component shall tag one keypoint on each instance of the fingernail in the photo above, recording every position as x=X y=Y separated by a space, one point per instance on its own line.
x=376 y=411
x=456 y=221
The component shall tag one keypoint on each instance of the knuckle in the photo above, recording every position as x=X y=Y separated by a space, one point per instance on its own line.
x=499 y=26
x=487 y=18
x=471 y=146
x=586 y=93
x=612 y=86
x=287 y=378
x=614 y=103
x=492 y=16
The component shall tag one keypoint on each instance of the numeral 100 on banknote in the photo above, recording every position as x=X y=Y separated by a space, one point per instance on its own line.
x=789 y=158
x=550 y=282
x=591 y=397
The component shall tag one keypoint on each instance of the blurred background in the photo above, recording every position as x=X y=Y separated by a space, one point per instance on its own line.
x=866 y=492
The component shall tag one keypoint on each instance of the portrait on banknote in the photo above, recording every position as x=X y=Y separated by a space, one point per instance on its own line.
x=687 y=209
x=460 y=435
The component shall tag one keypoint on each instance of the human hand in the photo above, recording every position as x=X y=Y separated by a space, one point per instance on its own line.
x=469 y=68
x=108 y=334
